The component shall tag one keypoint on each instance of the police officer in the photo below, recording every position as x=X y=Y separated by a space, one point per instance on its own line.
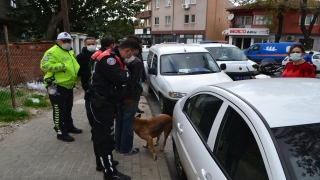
x=107 y=88
x=106 y=43
x=61 y=70
x=84 y=58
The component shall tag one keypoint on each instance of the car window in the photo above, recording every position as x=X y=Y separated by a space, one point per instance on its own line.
x=227 y=53
x=155 y=63
x=256 y=48
x=149 y=59
x=188 y=63
x=202 y=110
x=144 y=55
x=237 y=149
x=300 y=147
x=317 y=56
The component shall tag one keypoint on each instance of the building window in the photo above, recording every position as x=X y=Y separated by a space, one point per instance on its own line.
x=186 y=1
x=193 y=18
x=168 y=19
x=156 y=20
x=168 y=2
x=13 y=4
x=148 y=22
x=193 y=1
x=262 y=19
x=241 y=21
x=157 y=4
x=308 y=20
x=186 y=19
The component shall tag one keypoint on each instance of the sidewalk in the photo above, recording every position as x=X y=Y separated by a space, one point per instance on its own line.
x=33 y=152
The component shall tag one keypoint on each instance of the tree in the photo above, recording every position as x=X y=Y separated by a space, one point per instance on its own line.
x=41 y=18
x=279 y=9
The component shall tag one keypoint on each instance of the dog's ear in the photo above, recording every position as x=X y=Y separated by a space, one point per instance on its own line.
x=139 y=116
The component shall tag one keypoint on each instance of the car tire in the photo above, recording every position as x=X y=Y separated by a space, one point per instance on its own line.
x=162 y=105
x=178 y=165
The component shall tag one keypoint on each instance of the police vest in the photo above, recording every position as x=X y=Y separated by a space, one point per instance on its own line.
x=108 y=53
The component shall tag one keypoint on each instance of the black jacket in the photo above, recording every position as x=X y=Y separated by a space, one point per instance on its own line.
x=108 y=78
x=143 y=74
x=83 y=60
x=134 y=89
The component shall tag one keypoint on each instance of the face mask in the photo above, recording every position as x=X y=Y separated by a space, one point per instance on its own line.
x=295 y=56
x=91 y=48
x=128 y=60
x=66 y=46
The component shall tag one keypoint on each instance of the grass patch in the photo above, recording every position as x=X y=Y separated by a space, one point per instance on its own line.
x=42 y=101
x=9 y=114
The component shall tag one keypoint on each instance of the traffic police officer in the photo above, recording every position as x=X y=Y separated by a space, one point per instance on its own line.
x=107 y=88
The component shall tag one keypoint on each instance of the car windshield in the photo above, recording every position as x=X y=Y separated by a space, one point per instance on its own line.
x=188 y=63
x=300 y=147
x=227 y=53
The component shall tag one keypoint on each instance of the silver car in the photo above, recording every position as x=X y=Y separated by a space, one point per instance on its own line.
x=254 y=130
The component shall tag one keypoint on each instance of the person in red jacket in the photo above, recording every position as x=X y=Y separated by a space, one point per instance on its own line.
x=298 y=67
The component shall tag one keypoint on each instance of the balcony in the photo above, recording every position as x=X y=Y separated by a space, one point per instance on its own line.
x=144 y=14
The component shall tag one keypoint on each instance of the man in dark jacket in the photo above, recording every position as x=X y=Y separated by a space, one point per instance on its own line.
x=107 y=87
x=83 y=60
x=127 y=110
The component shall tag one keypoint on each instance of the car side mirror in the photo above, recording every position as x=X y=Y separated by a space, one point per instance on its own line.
x=223 y=66
x=152 y=71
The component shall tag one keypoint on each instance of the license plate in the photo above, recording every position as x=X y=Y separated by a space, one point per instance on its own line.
x=240 y=77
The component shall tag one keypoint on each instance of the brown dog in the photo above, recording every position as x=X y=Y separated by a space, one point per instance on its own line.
x=148 y=129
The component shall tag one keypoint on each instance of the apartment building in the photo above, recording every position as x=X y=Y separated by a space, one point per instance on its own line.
x=183 y=21
x=5 y=6
x=250 y=26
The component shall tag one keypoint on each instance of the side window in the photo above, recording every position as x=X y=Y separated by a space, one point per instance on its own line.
x=317 y=56
x=149 y=58
x=256 y=48
x=237 y=149
x=204 y=110
x=155 y=62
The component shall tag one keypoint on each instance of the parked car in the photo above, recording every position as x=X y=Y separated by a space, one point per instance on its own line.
x=276 y=51
x=256 y=129
x=315 y=60
x=174 y=70
x=239 y=67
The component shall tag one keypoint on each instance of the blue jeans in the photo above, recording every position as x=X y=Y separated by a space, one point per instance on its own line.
x=123 y=132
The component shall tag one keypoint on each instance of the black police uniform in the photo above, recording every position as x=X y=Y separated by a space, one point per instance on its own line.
x=107 y=88
x=84 y=72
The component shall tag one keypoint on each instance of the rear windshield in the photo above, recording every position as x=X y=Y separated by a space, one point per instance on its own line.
x=300 y=147
x=227 y=53
x=188 y=63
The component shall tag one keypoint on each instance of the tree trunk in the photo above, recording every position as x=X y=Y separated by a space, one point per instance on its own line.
x=54 y=22
x=280 y=23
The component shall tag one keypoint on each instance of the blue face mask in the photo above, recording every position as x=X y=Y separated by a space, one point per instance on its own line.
x=295 y=56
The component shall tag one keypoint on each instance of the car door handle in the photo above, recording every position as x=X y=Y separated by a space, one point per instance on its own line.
x=179 y=128
x=204 y=174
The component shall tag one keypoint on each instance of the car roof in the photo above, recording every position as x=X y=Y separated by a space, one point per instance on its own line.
x=281 y=101
x=176 y=48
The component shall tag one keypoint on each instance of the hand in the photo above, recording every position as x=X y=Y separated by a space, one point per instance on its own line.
x=125 y=68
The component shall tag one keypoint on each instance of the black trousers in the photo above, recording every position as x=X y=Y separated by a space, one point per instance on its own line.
x=103 y=136
x=62 y=104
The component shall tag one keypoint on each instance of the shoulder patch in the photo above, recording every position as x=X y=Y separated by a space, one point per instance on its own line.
x=111 y=61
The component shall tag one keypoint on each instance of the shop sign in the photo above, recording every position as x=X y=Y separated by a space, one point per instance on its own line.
x=249 y=31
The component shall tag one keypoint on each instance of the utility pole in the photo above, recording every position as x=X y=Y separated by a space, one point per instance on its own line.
x=65 y=17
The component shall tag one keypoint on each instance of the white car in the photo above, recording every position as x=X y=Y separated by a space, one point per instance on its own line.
x=254 y=130
x=174 y=70
x=315 y=60
x=239 y=67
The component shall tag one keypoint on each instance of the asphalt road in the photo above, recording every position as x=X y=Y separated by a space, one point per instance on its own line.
x=155 y=109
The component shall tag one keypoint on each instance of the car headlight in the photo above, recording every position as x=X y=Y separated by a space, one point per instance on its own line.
x=177 y=94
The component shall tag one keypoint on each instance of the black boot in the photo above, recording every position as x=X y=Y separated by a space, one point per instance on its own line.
x=65 y=137
x=110 y=171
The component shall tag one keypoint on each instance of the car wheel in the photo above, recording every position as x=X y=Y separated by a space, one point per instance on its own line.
x=179 y=168
x=162 y=105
